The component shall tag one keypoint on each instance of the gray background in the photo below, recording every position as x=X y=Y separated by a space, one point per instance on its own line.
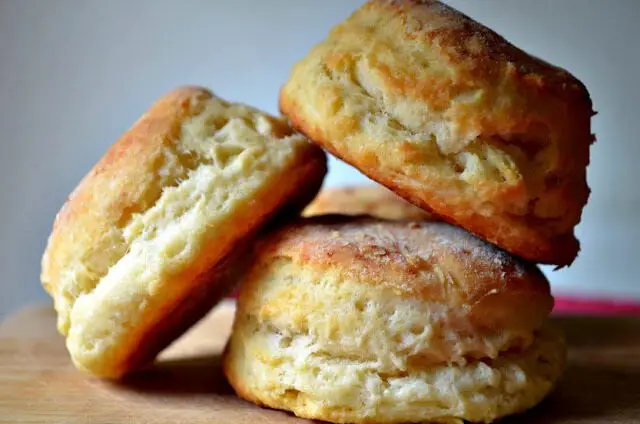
x=74 y=74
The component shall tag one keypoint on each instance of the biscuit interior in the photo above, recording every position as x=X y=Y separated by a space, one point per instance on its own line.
x=139 y=245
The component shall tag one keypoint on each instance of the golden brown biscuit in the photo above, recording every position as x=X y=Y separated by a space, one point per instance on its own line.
x=144 y=245
x=363 y=320
x=449 y=115
x=373 y=200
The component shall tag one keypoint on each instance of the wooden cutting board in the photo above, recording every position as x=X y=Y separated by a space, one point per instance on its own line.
x=39 y=385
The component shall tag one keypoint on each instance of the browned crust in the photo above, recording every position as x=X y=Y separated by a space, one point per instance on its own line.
x=431 y=261
x=560 y=250
x=539 y=95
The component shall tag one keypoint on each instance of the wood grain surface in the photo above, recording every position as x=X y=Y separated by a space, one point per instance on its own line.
x=38 y=384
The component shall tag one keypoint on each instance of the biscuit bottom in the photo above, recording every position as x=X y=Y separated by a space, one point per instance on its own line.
x=294 y=372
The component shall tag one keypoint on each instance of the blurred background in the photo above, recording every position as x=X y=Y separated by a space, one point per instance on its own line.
x=75 y=74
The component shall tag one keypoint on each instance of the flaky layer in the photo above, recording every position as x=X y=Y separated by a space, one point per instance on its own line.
x=139 y=245
x=286 y=368
x=453 y=118
x=353 y=319
x=374 y=200
x=332 y=270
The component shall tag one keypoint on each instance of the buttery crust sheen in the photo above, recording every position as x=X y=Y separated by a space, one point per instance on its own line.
x=373 y=200
x=453 y=118
x=355 y=319
x=146 y=244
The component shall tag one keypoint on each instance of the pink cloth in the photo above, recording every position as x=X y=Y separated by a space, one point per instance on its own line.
x=586 y=306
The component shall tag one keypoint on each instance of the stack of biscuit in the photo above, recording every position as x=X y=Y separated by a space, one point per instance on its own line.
x=421 y=301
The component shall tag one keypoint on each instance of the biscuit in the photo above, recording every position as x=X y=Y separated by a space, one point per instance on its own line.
x=352 y=319
x=373 y=200
x=453 y=118
x=145 y=245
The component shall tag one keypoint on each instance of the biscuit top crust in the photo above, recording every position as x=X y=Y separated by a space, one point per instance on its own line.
x=428 y=52
x=428 y=261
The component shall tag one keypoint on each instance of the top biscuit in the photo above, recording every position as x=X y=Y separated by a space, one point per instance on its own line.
x=453 y=118
x=143 y=247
